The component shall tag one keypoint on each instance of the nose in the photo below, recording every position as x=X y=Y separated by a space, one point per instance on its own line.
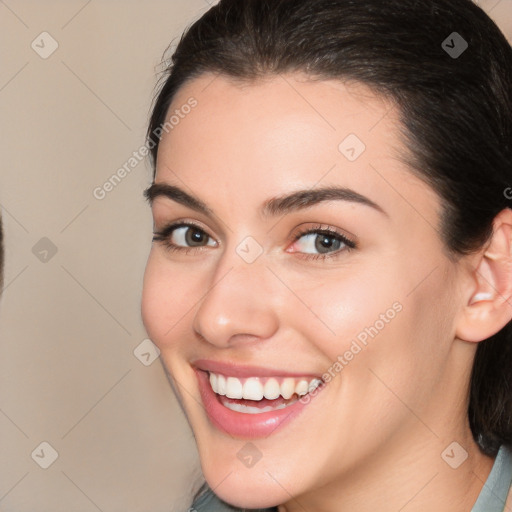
x=237 y=306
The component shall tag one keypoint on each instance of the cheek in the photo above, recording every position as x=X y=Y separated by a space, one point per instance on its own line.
x=374 y=335
x=166 y=299
x=391 y=339
x=344 y=308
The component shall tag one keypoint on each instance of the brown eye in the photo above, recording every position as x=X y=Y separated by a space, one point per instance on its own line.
x=189 y=236
x=318 y=242
x=195 y=237
x=183 y=236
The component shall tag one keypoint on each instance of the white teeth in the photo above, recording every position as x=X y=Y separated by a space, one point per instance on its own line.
x=272 y=389
x=253 y=389
x=221 y=385
x=256 y=388
x=302 y=387
x=233 y=388
x=213 y=380
x=288 y=388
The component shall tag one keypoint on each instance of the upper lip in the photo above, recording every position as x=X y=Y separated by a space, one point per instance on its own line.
x=232 y=369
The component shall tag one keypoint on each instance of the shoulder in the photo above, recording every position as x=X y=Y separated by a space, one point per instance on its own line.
x=508 y=504
x=507 y=462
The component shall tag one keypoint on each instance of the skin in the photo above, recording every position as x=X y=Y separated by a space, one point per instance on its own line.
x=372 y=438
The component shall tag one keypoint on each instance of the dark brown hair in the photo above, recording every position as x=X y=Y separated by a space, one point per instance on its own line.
x=456 y=114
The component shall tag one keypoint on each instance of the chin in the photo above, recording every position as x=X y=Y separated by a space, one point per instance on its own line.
x=250 y=488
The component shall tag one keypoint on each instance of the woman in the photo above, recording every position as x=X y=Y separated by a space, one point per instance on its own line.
x=331 y=277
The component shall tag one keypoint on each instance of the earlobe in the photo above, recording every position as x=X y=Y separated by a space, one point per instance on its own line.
x=489 y=307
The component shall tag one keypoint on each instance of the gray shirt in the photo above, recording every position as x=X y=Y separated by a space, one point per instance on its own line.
x=492 y=497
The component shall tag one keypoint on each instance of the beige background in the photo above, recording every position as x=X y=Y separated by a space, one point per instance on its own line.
x=70 y=321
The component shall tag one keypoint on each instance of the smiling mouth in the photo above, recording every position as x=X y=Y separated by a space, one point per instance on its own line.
x=257 y=395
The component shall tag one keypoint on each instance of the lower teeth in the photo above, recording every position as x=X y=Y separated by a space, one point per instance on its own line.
x=248 y=409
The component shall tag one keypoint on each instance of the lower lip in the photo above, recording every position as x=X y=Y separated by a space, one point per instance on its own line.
x=239 y=424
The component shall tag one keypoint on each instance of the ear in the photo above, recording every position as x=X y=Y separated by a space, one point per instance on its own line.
x=489 y=302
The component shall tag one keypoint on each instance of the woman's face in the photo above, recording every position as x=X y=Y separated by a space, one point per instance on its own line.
x=314 y=254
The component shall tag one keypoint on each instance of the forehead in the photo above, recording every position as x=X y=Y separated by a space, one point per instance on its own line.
x=281 y=108
x=252 y=140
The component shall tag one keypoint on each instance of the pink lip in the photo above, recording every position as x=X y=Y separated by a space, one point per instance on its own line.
x=242 y=425
x=240 y=371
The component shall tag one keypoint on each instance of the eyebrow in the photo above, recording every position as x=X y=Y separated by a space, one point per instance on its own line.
x=298 y=200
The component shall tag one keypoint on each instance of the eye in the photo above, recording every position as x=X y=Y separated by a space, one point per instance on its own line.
x=322 y=242
x=183 y=236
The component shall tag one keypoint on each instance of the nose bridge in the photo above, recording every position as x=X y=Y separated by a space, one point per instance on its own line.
x=237 y=301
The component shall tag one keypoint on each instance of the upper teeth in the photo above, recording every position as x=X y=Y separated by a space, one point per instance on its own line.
x=255 y=388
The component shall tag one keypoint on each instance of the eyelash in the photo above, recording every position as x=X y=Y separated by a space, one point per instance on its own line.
x=163 y=237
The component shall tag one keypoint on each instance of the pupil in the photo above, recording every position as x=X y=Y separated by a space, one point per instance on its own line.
x=194 y=237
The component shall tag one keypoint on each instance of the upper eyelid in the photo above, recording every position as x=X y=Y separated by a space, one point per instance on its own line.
x=312 y=229
x=173 y=226
x=342 y=232
x=160 y=212
x=179 y=224
x=349 y=241
x=331 y=230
